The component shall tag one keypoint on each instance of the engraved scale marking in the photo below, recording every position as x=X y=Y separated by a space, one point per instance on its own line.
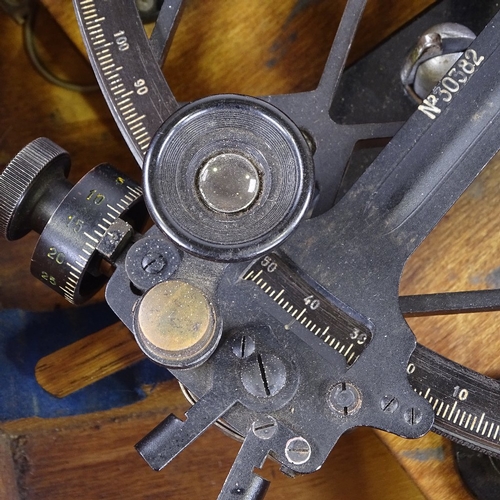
x=307 y=307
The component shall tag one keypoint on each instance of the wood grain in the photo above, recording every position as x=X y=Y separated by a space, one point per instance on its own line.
x=260 y=48
x=92 y=457
x=430 y=462
x=8 y=473
x=88 y=360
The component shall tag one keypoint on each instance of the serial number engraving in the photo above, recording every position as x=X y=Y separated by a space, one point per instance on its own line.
x=450 y=85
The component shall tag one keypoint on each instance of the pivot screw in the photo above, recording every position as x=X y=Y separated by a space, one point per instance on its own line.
x=298 y=450
x=264 y=375
x=412 y=416
x=389 y=403
x=265 y=427
x=344 y=398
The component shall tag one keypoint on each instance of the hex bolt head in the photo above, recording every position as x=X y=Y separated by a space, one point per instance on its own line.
x=344 y=398
x=297 y=450
x=389 y=403
x=265 y=427
x=432 y=57
x=412 y=416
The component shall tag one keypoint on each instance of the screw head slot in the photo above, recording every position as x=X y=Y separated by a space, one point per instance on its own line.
x=298 y=451
x=344 y=398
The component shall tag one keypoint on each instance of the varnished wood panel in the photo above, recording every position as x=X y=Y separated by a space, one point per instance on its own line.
x=92 y=457
x=255 y=48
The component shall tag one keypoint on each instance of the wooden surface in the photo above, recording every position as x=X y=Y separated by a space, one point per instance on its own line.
x=92 y=457
x=8 y=473
x=255 y=48
x=88 y=360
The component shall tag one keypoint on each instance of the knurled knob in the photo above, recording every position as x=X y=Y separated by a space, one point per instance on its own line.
x=30 y=186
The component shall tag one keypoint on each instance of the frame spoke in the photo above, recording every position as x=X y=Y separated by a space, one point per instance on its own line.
x=340 y=49
x=450 y=303
x=365 y=131
x=164 y=30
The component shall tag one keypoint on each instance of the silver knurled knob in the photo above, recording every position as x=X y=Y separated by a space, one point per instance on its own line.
x=25 y=181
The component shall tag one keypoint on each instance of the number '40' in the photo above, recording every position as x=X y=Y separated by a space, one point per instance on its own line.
x=311 y=302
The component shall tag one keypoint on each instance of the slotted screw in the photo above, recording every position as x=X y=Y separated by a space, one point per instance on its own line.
x=412 y=416
x=243 y=346
x=265 y=427
x=298 y=451
x=344 y=398
x=389 y=403
x=264 y=375
x=153 y=263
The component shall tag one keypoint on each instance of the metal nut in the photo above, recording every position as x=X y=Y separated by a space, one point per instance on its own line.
x=433 y=55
